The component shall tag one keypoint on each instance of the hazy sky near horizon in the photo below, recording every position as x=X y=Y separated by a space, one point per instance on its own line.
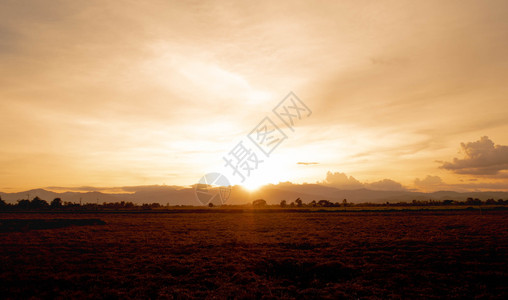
x=121 y=93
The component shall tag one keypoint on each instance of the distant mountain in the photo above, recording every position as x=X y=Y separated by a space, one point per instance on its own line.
x=76 y=197
x=273 y=194
x=309 y=192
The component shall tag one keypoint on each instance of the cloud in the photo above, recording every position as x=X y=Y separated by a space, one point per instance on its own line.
x=341 y=180
x=431 y=184
x=151 y=188
x=104 y=93
x=429 y=181
x=307 y=163
x=87 y=189
x=123 y=189
x=385 y=185
x=435 y=183
x=482 y=157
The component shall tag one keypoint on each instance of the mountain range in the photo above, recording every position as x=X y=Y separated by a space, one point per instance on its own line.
x=273 y=194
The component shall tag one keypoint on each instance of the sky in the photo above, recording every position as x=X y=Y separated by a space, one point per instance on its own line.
x=400 y=94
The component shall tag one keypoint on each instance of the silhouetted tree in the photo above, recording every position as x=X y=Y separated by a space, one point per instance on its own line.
x=283 y=203
x=299 y=202
x=210 y=204
x=490 y=201
x=3 y=204
x=313 y=203
x=23 y=204
x=56 y=203
x=38 y=203
x=324 y=203
x=258 y=203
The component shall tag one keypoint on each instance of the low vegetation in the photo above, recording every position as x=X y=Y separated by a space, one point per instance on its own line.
x=38 y=204
x=450 y=254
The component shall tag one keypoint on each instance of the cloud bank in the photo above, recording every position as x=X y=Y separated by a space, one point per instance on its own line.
x=481 y=157
x=342 y=181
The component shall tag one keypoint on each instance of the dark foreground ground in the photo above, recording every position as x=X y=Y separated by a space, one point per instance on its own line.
x=456 y=254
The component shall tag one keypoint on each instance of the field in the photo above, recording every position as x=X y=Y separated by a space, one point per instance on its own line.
x=436 y=254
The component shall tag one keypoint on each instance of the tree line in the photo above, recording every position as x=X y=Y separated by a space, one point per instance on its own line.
x=326 y=203
x=57 y=203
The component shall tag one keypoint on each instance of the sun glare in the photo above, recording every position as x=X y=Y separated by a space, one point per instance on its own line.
x=252 y=185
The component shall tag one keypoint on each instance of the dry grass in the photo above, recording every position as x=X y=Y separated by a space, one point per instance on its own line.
x=254 y=255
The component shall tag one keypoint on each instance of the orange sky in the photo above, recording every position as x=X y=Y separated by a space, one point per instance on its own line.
x=123 y=93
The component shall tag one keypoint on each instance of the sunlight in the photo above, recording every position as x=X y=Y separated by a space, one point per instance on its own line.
x=279 y=167
x=269 y=173
x=252 y=185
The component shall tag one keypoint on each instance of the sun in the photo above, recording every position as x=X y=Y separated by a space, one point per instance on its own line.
x=269 y=172
x=252 y=185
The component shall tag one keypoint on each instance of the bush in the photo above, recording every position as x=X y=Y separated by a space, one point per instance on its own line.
x=259 y=203
x=38 y=203
x=56 y=203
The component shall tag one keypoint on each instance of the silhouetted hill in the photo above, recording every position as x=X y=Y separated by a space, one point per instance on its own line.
x=273 y=194
x=84 y=197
